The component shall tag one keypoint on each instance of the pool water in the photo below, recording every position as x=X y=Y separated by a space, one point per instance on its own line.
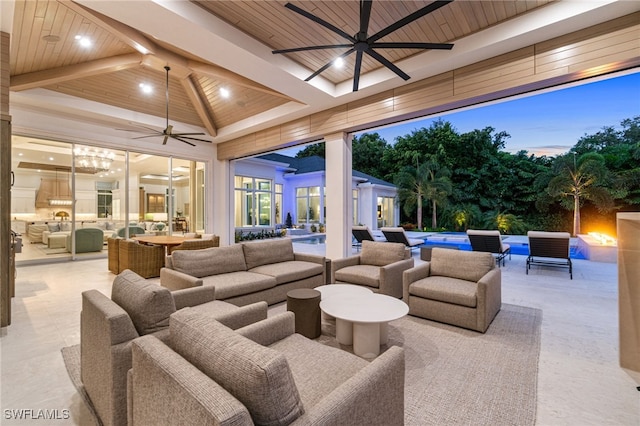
x=311 y=240
x=521 y=249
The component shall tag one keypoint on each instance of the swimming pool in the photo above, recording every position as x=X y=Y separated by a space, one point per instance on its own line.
x=516 y=248
x=320 y=239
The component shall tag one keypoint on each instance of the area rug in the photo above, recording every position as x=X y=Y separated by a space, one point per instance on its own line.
x=71 y=357
x=453 y=376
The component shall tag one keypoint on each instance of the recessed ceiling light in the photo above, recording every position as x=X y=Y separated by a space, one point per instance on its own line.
x=51 y=158
x=20 y=154
x=84 y=41
x=339 y=62
x=224 y=92
x=146 y=88
x=51 y=38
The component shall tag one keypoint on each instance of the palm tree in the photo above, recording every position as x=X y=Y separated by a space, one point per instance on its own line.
x=437 y=186
x=411 y=188
x=576 y=179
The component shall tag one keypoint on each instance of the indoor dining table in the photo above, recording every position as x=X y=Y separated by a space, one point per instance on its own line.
x=168 y=241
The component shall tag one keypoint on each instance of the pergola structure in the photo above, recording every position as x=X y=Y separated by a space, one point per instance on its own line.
x=53 y=88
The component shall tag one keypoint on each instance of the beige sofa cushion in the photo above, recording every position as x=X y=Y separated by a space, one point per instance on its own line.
x=256 y=375
x=381 y=254
x=447 y=290
x=210 y=261
x=238 y=283
x=465 y=265
x=148 y=304
x=292 y=270
x=267 y=252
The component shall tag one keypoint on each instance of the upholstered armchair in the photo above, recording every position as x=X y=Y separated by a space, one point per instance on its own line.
x=87 y=240
x=379 y=266
x=457 y=287
x=145 y=260
x=136 y=308
x=206 y=373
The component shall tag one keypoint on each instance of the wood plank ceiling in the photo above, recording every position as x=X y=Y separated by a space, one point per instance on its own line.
x=45 y=53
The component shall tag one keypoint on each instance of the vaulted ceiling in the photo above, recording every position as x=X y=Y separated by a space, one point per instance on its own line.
x=210 y=45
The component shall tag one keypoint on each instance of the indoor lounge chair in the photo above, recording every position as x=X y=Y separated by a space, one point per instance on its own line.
x=490 y=242
x=457 y=287
x=549 y=249
x=379 y=267
x=136 y=308
x=397 y=235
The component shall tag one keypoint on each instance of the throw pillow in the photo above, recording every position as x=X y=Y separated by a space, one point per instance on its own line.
x=267 y=252
x=256 y=375
x=65 y=226
x=148 y=304
x=210 y=261
x=53 y=227
x=381 y=254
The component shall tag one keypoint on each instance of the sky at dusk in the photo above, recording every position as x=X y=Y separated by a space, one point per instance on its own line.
x=546 y=123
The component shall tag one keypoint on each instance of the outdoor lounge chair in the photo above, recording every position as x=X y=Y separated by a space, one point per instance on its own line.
x=363 y=233
x=397 y=235
x=490 y=242
x=549 y=249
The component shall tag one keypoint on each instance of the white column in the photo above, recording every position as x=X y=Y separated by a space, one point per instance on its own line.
x=338 y=193
x=219 y=199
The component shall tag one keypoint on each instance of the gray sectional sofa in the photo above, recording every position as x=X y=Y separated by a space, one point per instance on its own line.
x=263 y=374
x=245 y=273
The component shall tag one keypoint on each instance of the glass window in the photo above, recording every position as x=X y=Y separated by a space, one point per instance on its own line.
x=386 y=211
x=308 y=204
x=253 y=201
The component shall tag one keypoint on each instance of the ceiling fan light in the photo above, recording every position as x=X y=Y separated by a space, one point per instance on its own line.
x=338 y=62
x=146 y=88
x=224 y=92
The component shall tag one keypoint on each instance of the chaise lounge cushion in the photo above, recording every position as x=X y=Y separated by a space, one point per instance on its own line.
x=259 y=253
x=458 y=264
x=149 y=305
x=256 y=375
x=211 y=261
x=381 y=254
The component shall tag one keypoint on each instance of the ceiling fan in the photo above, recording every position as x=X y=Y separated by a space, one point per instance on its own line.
x=168 y=130
x=362 y=42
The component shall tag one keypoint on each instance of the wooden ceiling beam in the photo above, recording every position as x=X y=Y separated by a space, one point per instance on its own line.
x=44 y=78
x=226 y=75
x=200 y=104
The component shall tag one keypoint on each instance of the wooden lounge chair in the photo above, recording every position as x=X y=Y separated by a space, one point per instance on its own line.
x=397 y=235
x=489 y=241
x=549 y=249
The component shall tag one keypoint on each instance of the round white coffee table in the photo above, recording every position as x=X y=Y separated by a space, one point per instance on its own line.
x=362 y=320
x=341 y=290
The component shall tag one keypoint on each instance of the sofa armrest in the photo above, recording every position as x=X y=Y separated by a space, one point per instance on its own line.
x=305 y=257
x=374 y=395
x=338 y=264
x=102 y=316
x=391 y=277
x=179 y=387
x=271 y=330
x=412 y=275
x=489 y=296
x=193 y=296
x=175 y=280
x=244 y=315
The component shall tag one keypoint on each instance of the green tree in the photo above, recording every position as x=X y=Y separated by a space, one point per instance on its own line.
x=573 y=180
x=411 y=183
x=311 y=150
x=367 y=153
x=437 y=186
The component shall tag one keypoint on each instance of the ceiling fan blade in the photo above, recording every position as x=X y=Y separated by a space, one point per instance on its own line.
x=164 y=141
x=302 y=49
x=378 y=57
x=410 y=45
x=182 y=140
x=408 y=19
x=168 y=130
x=148 y=136
x=189 y=134
x=328 y=64
x=320 y=21
x=356 y=71
x=365 y=15
x=179 y=135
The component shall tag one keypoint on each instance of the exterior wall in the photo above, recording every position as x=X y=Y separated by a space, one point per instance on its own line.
x=368 y=195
